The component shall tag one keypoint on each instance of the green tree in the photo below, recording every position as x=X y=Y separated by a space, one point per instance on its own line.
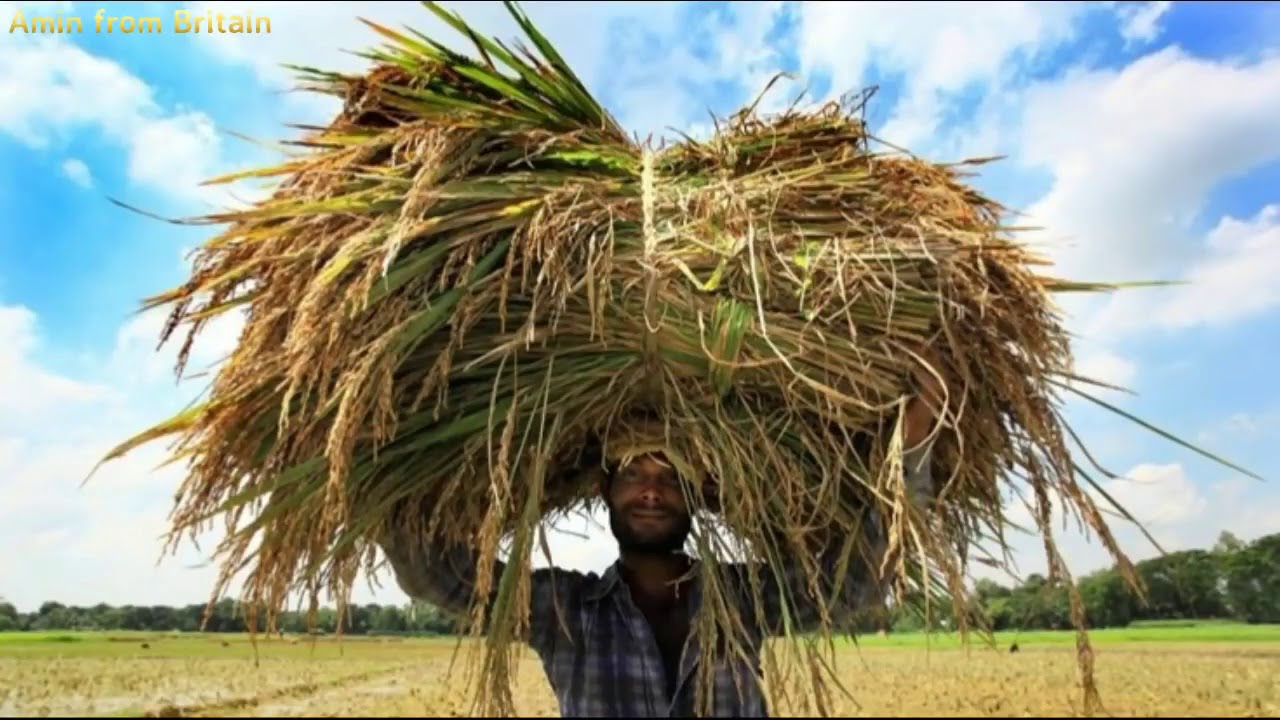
x=104 y=617
x=1228 y=543
x=226 y=617
x=1183 y=585
x=1108 y=600
x=56 y=618
x=426 y=618
x=164 y=618
x=191 y=618
x=986 y=590
x=1035 y=605
x=1253 y=581
x=389 y=619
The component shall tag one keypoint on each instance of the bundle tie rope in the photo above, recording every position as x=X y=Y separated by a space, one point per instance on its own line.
x=647 y=203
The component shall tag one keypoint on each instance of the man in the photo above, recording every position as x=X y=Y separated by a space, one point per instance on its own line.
x=618 y=644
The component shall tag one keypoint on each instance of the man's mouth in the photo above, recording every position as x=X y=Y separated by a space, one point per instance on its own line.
x=650 y=514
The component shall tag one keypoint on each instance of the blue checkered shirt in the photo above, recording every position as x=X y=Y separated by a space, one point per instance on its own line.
x=597 y=648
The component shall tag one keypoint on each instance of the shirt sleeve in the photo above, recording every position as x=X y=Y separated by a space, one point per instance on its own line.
x=445 y=576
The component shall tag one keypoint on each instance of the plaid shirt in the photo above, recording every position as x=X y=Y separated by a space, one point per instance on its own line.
x=597 y=648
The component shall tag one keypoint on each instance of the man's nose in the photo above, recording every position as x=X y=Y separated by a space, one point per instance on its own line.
x=649 y=494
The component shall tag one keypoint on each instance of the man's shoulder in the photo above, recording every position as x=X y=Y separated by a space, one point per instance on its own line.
x=576 y=586
x=562 y=602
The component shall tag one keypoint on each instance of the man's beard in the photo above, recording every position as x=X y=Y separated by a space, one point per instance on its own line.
x=670 y=542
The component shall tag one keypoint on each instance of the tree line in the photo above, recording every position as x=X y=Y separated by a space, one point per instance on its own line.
x=226 y=616
x=1233 y=580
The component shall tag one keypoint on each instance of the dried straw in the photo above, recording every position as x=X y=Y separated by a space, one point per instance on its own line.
x=472 y=271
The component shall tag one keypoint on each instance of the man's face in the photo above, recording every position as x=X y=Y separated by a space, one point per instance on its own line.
x=647 y=510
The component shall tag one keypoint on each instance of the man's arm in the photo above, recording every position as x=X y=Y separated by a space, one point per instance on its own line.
x=433 y=572
x=445 y=576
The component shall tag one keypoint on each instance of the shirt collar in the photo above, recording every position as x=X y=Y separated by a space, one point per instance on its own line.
x=611 y=580
x=606 y=583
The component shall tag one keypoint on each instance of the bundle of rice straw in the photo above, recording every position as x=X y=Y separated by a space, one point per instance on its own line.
x=473 y=271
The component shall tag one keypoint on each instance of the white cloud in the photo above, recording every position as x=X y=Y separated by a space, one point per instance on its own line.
x=1134 y=153
x=9 y=10
x=938 y=48
x=1236 y=279
x=676 y=86
x=178 y=151
x=27 y=390
x=96 y=543
x=53 y=429
x=77 y=172
x=76 y=89
x=1108 y=367
x=1230 y=279
x=1159 y=496
x=167 y=151
x=1141 y=21
x=135 y=359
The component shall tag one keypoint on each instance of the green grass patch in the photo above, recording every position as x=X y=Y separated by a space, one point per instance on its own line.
x=1208 y=632
x=226 y=645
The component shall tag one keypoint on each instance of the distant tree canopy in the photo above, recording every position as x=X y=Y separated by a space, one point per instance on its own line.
x=1235 y=580
x=226 y=616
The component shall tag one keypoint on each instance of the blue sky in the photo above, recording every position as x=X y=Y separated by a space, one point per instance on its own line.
x=1141 y=136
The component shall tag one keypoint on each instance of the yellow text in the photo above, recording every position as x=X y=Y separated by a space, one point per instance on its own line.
x=185 y=22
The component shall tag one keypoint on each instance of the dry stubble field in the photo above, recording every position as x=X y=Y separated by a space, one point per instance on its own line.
x=214 y=676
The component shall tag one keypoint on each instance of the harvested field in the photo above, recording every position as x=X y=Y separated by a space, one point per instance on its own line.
x=1153 y=673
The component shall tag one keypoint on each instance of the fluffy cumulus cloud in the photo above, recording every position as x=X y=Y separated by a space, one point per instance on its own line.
x=1141 y=21
x=1135 y=151
x=167 y=151
x=938 y=50
x=1130 y=154
x=1231 y=279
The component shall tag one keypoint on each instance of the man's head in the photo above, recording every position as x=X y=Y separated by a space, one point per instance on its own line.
x=647 y=509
